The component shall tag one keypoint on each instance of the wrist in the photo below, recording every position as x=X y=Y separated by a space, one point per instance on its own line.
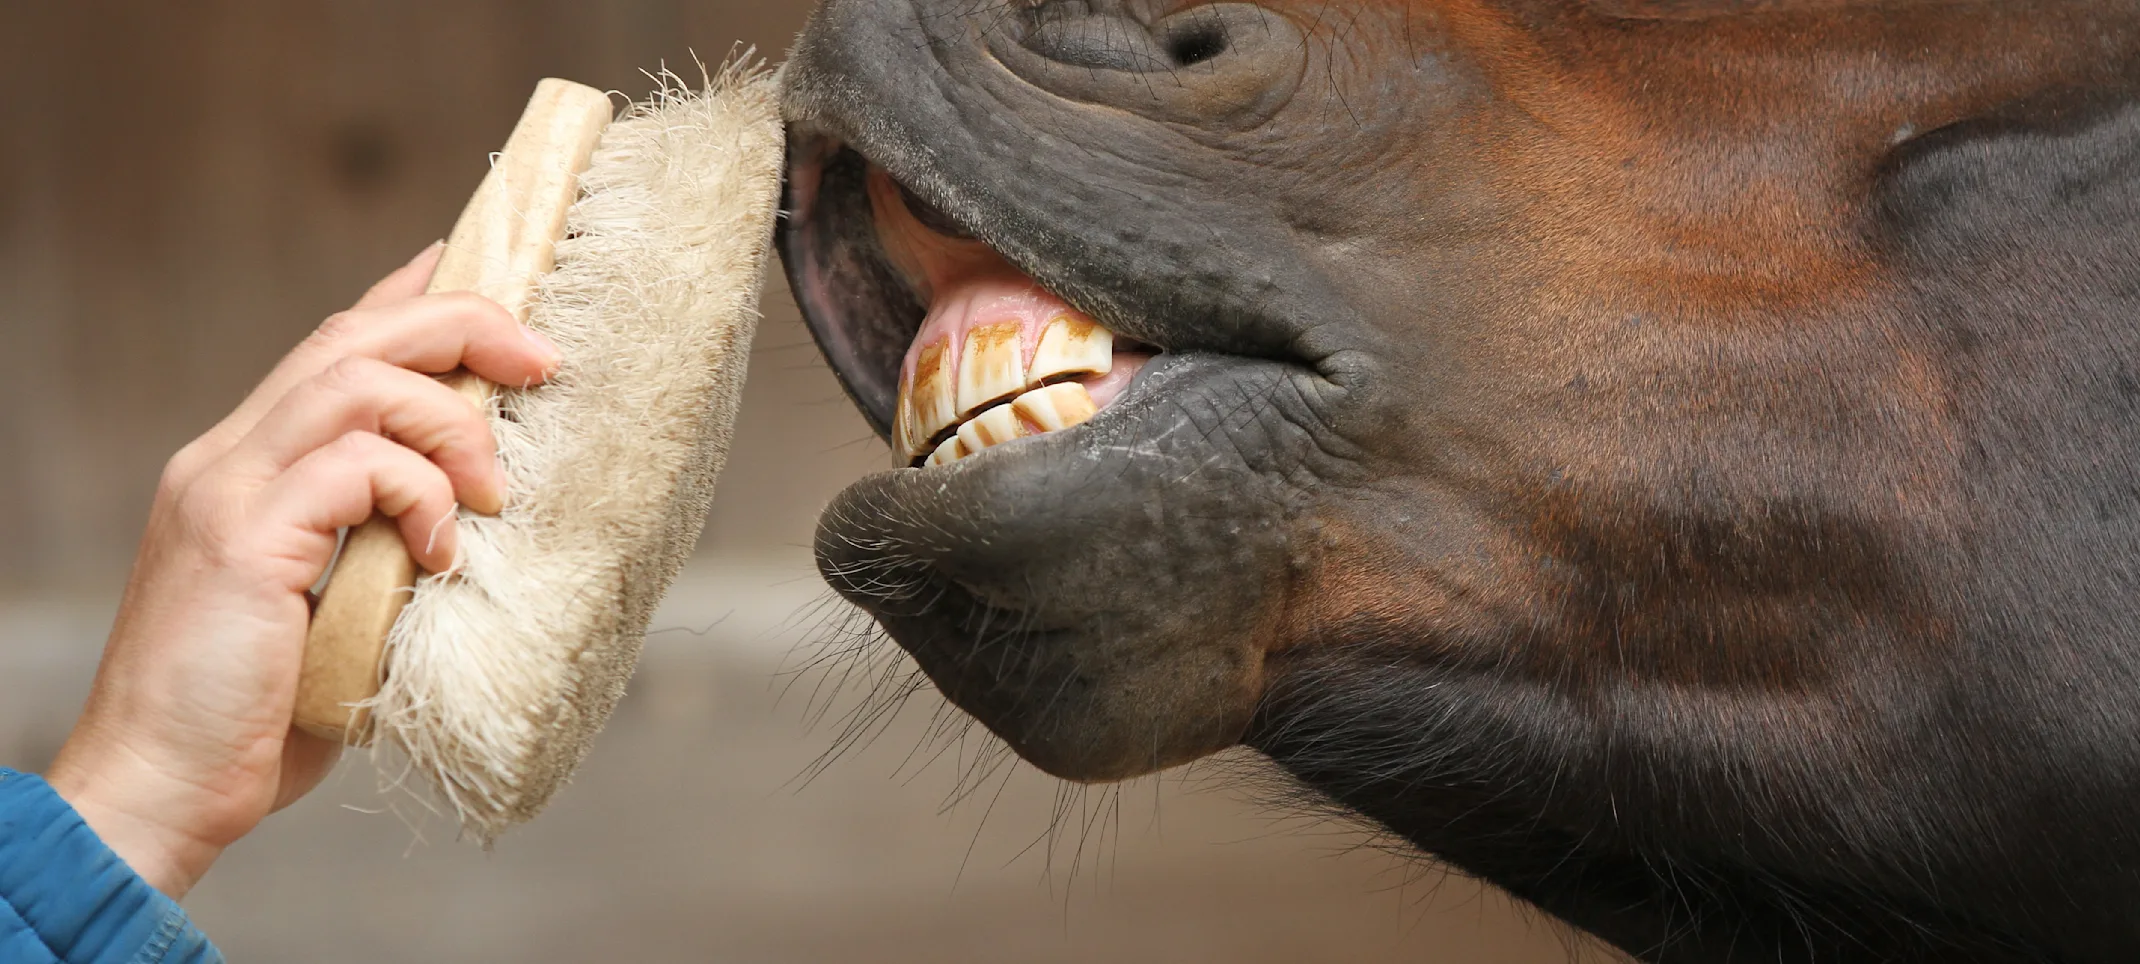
x=130 y=811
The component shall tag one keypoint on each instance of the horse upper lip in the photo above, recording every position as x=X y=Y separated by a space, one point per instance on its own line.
x=931 y=216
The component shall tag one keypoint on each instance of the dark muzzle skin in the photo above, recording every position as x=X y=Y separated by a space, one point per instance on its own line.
x=1105 y=599
x=1671 y=458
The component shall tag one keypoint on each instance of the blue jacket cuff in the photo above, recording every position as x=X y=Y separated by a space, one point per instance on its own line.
x=65 y=898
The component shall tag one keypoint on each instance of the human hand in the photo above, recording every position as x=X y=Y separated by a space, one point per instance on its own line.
x=186 y=743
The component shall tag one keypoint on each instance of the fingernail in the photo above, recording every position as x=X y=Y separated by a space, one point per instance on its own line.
x=487 y=503
x=552 y=357
x=447 y=525
x=428 y=250
x=500 y=486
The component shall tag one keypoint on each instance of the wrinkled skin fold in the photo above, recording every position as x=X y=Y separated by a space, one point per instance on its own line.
x=1674 y=459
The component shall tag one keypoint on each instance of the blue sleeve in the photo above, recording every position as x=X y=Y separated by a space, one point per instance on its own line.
x=65 y=898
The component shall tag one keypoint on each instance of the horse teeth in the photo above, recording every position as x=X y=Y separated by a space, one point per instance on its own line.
x=990 y=428
x=987 y=387
x=951 y=451
x=992 y=368
x=930 y=406
x=1072 y=345
x=903 y=419
x=1056 y=407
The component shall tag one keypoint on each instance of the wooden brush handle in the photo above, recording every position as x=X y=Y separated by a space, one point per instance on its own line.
x=505 y=241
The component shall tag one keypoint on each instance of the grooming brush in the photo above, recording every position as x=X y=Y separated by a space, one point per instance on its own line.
x=639 y=247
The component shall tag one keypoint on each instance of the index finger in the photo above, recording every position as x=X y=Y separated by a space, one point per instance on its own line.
x=433 y=334
x=407 y=281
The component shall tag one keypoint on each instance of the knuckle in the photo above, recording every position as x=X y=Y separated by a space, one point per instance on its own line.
x=184 y=466
x=438 y=417
x=356 y=447
x=348 y=373
x=421 y=491
x=475 y=309
x=338 y=327
x=352 y=377
x=466 y=424
x=196 y=496
x=203 y=513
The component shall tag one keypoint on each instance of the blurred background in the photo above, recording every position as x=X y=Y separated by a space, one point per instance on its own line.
x=187 y=188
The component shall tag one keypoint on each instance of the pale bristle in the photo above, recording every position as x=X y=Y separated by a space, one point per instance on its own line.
x=500 y=673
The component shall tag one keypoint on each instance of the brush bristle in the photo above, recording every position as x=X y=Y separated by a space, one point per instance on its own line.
x=500 y=673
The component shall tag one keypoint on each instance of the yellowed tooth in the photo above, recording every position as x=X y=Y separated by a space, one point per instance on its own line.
x=951 y=451
x=991 y=369
x=993 y=427
x=931 y=404
x=903 y=440
x=1056 y=407
x=1072 y=345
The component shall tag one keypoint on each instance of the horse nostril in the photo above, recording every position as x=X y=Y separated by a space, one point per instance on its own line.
x=1104 y=36
x=1197 y=43
x=1189 y=61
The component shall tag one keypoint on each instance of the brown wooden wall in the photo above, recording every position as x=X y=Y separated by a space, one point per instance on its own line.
x=187 y=188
